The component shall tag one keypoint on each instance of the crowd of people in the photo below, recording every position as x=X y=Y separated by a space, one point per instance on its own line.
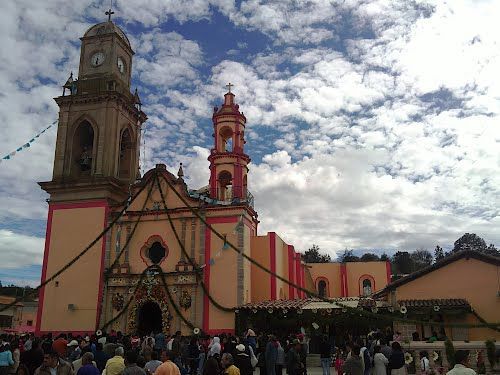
x=160 y=354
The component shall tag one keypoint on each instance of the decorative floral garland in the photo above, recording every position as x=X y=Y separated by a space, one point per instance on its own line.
x=150 y=291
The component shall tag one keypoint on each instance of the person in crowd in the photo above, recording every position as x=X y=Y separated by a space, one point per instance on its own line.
x=131 y=367
x=74 y=351
x=461 y=364
x=425 y=365
x=380 y=361
x=152 y=363
x=53 y=365
x=325 y=355
x=280 y=360
x=168 y=367
x=214 y=348
x=60 y=345
x=366 y=359
x=353 y=365
x=339 y=361
x=6 y=359
x=160 y=343
x=415 y=336
x=100 y=357
x=397 y=337
x=397 y=360
x=16 y=355
x=385 y=349
x=29 y=342
x=293 y=363
x=211 y=367
x=77 y=364
x=176 y=348
x=22 y=370
x=116 y=365
x=193 y=354
x=242 y=360
x=88 y=366
x=227 y=364
x=33 y=358
x=251 y=339
x=271 y=355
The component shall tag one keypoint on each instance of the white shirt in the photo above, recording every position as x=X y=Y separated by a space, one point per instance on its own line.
x=460 y=369
x=424 y=364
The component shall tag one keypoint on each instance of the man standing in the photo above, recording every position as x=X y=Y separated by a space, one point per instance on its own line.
x=52 y=365
x=271 y=355
x=88 y=367
x=462 y=361
x=116 y=365
x=227 y=363
x=353 y=365
x=167 y=367
x=131 y=367
x=293 y=362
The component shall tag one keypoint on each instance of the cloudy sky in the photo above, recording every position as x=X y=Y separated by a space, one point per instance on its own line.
x=372 y=124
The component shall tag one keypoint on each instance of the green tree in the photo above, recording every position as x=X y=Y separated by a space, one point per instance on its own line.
x=348 y=256
x=470 y=241
x=402 y=262
x=384 y=257
x=313 y=255
x=421 y=258
x=369 y=257
x=438 y=253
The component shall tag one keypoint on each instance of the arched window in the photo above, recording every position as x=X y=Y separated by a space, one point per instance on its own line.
x=225 y=186
x=226 y=138
x=322 y=288
x=82 y=149
x=126 y=155
x=367 y=287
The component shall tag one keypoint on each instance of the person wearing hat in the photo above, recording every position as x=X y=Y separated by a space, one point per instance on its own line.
x=293 y=363
x=242 y=360
x=74 y=351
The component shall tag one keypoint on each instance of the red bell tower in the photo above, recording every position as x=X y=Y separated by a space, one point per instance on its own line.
x=228 y=161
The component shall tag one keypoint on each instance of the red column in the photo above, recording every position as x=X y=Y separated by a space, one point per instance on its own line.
x=291 y=272
x=272 y=258
x=298 y=274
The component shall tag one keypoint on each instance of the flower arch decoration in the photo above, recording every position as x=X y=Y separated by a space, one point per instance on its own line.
x=150 y=291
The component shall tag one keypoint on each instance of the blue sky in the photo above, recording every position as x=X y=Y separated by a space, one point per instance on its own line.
x=372 y=125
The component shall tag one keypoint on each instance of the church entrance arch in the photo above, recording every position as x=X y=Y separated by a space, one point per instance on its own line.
x=149 y=318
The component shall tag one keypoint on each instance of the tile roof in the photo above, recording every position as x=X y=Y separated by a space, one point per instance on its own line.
x=310 y=303
x=430 y=303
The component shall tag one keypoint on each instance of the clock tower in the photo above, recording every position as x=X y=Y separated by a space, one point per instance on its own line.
x=96 y=160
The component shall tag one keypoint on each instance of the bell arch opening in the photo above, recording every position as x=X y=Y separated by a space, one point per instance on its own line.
x=83 y=149
x=226 y=139
x=126 y=155
x=225 y=186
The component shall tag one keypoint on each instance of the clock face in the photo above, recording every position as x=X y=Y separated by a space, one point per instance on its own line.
x=121 y=65
x=97 y=59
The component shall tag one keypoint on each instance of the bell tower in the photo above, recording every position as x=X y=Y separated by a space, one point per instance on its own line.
x=96 y=160
x=228 y=161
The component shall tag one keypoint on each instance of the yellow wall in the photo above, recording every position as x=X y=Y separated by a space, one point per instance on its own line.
x=281 y=268
x=71 y=231
x=471 y=279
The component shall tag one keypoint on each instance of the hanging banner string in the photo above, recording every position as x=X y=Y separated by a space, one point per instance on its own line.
x=27 y=144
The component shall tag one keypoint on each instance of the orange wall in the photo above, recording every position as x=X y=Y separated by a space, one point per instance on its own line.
x=330 y=272
x=70 y=230
x=471 y=279
x=281 y=268
x=377 y=270
x=261 y=282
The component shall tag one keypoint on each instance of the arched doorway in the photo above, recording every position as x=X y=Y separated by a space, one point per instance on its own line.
x=149 y=318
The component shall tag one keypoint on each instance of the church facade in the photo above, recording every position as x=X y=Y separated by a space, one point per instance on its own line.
x=145 y=253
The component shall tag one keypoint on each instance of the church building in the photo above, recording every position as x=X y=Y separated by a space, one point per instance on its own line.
x=145 y=253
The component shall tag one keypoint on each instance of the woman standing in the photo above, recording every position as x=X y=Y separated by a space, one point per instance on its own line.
x=5 y=359
x=379 y=362
x=397 y=360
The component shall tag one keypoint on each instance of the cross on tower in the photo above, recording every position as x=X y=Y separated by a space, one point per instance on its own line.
x=109 y=13
x=229 y=85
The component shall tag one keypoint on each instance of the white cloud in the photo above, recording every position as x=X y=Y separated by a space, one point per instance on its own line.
x=19 y=249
